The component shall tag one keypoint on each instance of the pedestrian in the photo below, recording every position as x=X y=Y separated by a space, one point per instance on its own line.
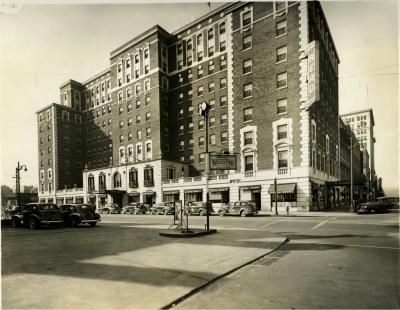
x=287 y=209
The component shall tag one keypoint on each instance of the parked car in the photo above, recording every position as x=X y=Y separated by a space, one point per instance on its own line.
x=35 y=214
x=138 y=208
x=111 y=209
x=127 y=209
x=163 y=208
x=389 y=202
x=242 y=208
x=75 y=214
x=370 y=207
x=216 y=207
x=7 y=212
x=198 y=207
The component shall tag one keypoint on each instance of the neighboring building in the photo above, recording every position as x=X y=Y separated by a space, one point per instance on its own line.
x=362 y=123
x=25 y=198
x=269 y=70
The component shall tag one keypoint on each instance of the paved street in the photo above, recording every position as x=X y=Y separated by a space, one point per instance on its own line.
x=330 y=261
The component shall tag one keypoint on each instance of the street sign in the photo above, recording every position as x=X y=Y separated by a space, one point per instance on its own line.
x=222 y=162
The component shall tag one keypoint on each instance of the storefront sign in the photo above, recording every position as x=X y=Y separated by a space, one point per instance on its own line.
x=222 y=162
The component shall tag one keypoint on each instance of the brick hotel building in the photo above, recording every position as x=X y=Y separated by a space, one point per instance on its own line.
x=269 y=70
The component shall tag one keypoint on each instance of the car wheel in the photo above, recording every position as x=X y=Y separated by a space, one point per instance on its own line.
x=201 y=213
x=15 y=222
x=32 y=223
x=242 y=213
x=221 y=213
x=73 y=222
x=93 y=224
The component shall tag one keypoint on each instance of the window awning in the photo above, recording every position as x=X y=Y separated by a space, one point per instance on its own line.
x=148 y=192
x=133 y=194
x=171 y=192
x=251 y=187
x=190 y=191
x=282 y=188
x=219 y=189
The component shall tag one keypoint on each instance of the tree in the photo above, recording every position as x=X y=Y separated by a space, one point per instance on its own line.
x=5 y=193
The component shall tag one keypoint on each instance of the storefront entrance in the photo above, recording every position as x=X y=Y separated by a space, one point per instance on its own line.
x=256 y=198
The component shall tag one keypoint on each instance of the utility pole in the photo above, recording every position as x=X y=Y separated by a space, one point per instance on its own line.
x=17 y=181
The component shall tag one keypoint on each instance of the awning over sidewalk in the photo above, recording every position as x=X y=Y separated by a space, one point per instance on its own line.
x=134 y=194
x=282 y=188
x=171 y=192
x=190 y=191
x=218 y=190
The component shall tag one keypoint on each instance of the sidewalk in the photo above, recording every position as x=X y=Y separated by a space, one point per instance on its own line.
x=153 y=275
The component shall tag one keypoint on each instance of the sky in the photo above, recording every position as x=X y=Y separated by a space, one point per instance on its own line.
x=42 y=46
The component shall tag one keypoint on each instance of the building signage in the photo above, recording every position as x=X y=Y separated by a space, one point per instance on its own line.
x=222 y=162
x=312 y=73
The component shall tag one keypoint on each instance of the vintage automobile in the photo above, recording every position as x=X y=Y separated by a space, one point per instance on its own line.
x=111 y=209
x=163 y=208
x=75 y=214
x=135 y=208
x=242 y=208
x=35 y=214
x=197 y=207
x=388 y=202
x=370 y=207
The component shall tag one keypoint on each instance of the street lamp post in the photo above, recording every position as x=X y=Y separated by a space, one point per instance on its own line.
x=204 y=108
x=17 y=181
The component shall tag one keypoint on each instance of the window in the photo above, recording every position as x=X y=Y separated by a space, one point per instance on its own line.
x=121 y=124
x=138 y=104
x=281 y=106
x=201 y=141
x=224 y=137
x=248 y=163
x=139 y=134
x=247 y=114
x=147 y=100
x=133 y=178
x=247 y=90
x=212 y=139
x=191 y=143
x=180 y=64
x=148 y=150
x=137 y=73
x=121 y=138
x=148 y=176
x=147 y=85
x=211 y=67
x=247 y=41
x=147 y=116
x=139 y=152
x=222 y=46
x=222 y=64
x=190 y=110
x=222 y=101
x=211 y=51
x=181 y=129
x=222 y=83
x=189 y=44
x=120 y=82
x=247 y=66
x=119 y=70
x=248 y=138
x=246 y=18
x=281 y=28
x=138 y=119
x=129 y=107
x=137 y=88
x=199 y=39
x=121 y=110
x=181 y=145
x=117 y=179
x=280 y=5
x=127 y=64
x=146 y=53
x=224 y=119
x=128 y=77
x=210 y=34
x=200 y=56
x=211 y=87
x=190 y=74
x=281 y=80
x=282 y=132
x=129 y=122
x=190 y=93
x=148 y=132
x=212 y=121
x=222 y=28
x=191 y=159
x=282 y=159
x=212 y=104
x=281 y=54
x=200 y=91
x=190 y=127
x=202 y=158
x=189 y=60
x=201 y=124
x=179 y=49
x=200 y=72
x=109 y=122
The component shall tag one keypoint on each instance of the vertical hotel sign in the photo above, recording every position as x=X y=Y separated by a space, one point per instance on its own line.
x=313 y=81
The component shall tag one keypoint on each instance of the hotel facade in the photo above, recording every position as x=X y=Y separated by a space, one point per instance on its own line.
x=268 y=70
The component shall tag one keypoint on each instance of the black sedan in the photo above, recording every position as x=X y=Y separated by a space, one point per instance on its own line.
x=75 y=214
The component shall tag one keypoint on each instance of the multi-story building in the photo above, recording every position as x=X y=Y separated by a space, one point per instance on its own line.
x=362 y=123
x=269 y=71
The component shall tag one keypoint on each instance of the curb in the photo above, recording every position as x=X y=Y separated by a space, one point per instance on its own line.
x=177 y=301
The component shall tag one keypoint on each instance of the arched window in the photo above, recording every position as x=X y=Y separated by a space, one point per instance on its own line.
x=91 y=183
x=133 y=178
x=117 y=179
x=148 y=176
x=102 y=181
